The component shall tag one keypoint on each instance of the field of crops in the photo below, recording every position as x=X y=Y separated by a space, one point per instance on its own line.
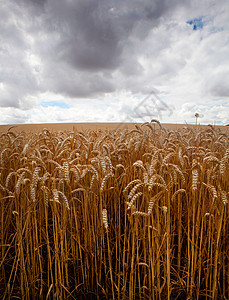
x=115 y=214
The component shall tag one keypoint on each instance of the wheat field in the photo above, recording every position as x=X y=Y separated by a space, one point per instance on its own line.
x=121 y=213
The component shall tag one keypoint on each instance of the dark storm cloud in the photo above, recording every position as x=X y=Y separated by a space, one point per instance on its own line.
x=72 y=39
x=16 y=76
x=83 y=42
x=71 y=47
x=88 y=39
x=92 y=34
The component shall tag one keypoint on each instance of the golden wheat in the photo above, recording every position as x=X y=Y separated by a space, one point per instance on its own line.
x=164 y=193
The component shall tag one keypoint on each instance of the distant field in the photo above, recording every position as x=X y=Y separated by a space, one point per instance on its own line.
x=85 y=126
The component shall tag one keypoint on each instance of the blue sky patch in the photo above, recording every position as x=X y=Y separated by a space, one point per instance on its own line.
x=197 y=23
x=61 y=104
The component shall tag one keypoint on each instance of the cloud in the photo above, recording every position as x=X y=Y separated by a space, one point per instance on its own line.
x=117 y=111
x=143 y=110
x=79 y=51
x=17 y=77
x=209 y=113
x=77 y=44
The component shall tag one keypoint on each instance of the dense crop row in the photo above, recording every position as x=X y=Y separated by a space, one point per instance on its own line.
x=122 y=214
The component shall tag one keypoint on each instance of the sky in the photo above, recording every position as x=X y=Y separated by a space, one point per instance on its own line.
x=114 y=61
